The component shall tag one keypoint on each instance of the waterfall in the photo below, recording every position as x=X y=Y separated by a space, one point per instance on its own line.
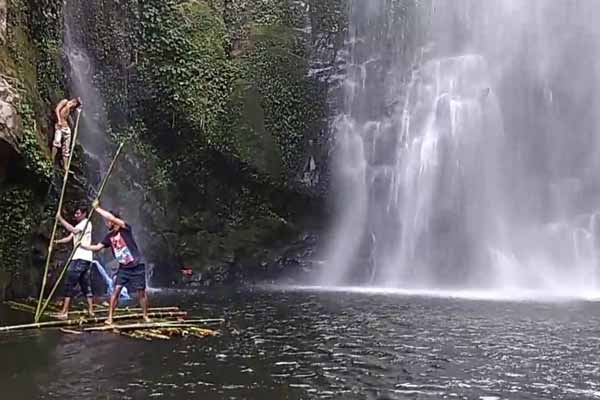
x=109 y=283
x=81 y=72
x=466 y=149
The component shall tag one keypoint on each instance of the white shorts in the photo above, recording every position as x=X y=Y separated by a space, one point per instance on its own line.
x=62 y=140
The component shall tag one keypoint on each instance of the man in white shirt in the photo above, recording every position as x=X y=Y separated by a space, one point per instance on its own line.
x=79 y=270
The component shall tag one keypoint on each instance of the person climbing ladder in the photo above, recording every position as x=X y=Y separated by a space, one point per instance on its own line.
x=62 y=131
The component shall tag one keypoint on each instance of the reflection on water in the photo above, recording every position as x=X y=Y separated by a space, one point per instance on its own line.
x=308 y=345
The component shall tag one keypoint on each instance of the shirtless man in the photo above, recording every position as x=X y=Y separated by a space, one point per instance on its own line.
x=62 y=132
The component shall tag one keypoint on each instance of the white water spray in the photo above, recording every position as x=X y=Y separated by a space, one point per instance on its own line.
x=467 y=153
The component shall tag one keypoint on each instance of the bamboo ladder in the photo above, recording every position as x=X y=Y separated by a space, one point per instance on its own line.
x=60 y=201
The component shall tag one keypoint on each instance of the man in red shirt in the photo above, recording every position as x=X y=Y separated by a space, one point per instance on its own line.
x=132 y=271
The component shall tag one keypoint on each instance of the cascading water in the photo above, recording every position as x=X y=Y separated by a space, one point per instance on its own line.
x=81 y=72
x=467 y=150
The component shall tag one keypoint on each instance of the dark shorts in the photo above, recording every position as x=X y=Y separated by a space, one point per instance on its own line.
x=133 y=278
x=78 y=274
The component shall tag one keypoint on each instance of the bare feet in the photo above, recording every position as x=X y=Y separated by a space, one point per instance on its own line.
x=146 y=319
x=91 y=313
x=108 y=322
x=62 y=316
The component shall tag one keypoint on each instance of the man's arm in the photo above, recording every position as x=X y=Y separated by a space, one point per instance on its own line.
x=67 y=225
x=70 y=108
x=93 y=247
x=106 y=215
x=64 y=240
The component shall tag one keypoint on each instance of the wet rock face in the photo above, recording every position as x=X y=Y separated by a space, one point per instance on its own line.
x=293 y=263
x=3 y=14
x=9 y=122
x=8 y=113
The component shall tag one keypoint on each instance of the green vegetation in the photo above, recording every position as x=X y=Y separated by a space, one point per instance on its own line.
x=224 y=112
x=250 y=101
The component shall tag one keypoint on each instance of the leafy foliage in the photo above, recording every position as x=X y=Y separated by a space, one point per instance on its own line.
x=30 y=146
x=184 y=62
x=233 y=73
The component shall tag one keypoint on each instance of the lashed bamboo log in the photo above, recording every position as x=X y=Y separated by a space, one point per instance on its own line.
x=203 y=331
x=121 y=311
x=135 y=335
x=155 y=335
x=99 y=309
x=206 y=321
x=21 y=307
x=70 y=331
x=86 y=321
x=141 y=325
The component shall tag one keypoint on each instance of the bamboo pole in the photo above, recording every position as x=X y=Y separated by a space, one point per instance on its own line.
x=206 y=321
x=142 y=325
x=135 y=335
x=70 y=331
x=60 y=201
x=121 y=311
x=21 y=307
x=165 y=331
x=155 y=335
x=28 y=308
x=33 y=303
x=203 y=331
x=76 y=246
x=85 y=321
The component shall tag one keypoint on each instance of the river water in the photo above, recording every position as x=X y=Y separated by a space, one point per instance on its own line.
x=303 y=344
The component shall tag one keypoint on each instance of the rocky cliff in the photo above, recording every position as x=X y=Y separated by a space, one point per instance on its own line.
x=223 y=106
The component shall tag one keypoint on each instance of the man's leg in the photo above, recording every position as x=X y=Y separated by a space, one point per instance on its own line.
x=85 y=281
x=64 y=313
x=65 y=160
x=90 y=301
x=144 y=303
x=114 y=299
x=138 y=281
x=66 y=147
x=56 y=143
x=116 y=303
x=70 y=287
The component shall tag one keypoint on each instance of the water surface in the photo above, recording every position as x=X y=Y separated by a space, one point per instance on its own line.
x=313 y=345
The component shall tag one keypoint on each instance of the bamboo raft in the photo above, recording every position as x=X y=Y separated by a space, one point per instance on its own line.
x=166 y=322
